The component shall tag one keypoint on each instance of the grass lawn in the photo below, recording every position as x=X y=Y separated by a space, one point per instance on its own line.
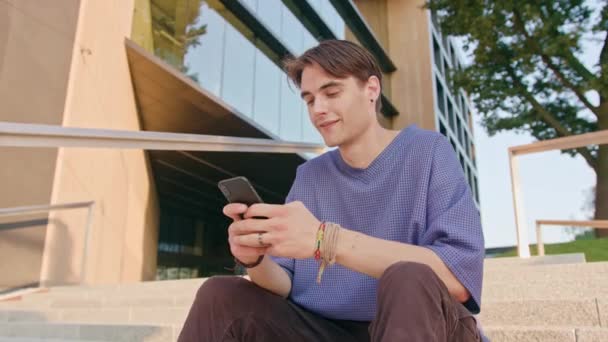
x=594 y=249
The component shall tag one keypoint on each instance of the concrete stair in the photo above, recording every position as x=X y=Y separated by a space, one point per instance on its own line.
x=559 y=298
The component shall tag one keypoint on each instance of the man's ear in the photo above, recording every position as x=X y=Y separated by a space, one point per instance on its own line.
x=373 y=87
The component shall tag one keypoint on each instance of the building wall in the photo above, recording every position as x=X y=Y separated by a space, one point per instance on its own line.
x=403 y=30
x=419 y=88
x=124 y=236
x=36 y=39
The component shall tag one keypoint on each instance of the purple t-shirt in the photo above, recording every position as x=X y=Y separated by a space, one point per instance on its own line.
x=414 y=192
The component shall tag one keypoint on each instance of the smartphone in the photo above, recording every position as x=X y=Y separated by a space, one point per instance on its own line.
x=239 y=190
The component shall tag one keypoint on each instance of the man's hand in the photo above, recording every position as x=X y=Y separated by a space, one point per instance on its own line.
x=246 y=254
x=289 y=231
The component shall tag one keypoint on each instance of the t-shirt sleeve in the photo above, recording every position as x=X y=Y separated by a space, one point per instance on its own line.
x=288 y=264
x=454 y=230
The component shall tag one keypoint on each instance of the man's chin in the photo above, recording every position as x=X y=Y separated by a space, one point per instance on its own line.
x=331 y=143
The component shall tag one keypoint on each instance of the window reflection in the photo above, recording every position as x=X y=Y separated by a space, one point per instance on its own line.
x=204 y=44
x=204 y=60
x=291 y=111
x=237 y=88
x=269 y=12
x=291 y=32
x=266 y=93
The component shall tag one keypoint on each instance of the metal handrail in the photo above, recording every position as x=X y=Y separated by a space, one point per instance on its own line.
x=45 y=136
x=37 y=209
x=598 y=224
x=574 y=141
x=38 y=135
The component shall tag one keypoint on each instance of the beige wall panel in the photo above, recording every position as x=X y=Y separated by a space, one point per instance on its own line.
x=375 y=13
x=402 y=27
x=36 y=39
x=125 y=222
x=412 y=87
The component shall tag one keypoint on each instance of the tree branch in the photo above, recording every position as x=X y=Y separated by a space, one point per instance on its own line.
x=604 y=68
x=549 y=118
x=533 y=44
x=573 y=62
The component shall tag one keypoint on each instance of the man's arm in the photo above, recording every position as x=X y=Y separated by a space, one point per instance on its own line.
x=372 y=256
x=269 y=275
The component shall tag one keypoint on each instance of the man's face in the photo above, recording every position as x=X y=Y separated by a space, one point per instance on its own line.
x=338 y=108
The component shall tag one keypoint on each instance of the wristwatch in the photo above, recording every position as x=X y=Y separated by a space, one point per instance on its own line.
x=251 y=265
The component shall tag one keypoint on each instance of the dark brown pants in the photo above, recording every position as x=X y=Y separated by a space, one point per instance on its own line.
x=413 y=305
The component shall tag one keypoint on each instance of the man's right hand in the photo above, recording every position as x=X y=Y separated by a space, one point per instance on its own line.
x=245 y=254
x=268 y=274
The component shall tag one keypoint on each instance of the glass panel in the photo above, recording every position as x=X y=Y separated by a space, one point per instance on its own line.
x=476 y=189
x=330 y=16
x=291 y=32
x=451 y=117
x=437 y=55
x=470 y=177
x=291 y=111
x=333 y=19
x=459 y=131
x=309 y=41
x=442 y=129
x=237 y=79
x=267 y=92
x=269 y=12
x=440 y=96
x=251 y=5
x=189 y=37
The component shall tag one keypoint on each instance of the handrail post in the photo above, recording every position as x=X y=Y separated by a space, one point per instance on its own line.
x=540 y=245
x=38 y=209
x=523 y=247
x=87 y=237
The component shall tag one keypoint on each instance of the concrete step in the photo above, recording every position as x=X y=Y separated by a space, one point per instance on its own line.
x=30 y=339
x=547 y=289
x=559 y=259
x=151 y=315
x=138 y=286
x=91 y=332
x=590 y=270
x=546 y=313
x=106 y=301
x=538 y=334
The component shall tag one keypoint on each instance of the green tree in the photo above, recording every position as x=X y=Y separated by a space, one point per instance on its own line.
x=527 y=75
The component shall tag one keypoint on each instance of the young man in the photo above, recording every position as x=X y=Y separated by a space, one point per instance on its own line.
x=379 y=240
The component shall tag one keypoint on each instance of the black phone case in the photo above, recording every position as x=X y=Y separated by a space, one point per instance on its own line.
x=239 y=190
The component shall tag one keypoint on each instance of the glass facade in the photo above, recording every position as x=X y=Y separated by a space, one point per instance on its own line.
x=204 y=44
x=209 y=45
x=453 y=115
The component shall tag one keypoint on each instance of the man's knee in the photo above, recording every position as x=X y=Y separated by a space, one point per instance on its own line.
x=224 y=293
x=221 y=286
x=404 y=274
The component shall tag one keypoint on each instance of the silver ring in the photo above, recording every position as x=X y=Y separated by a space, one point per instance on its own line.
x=260 y=241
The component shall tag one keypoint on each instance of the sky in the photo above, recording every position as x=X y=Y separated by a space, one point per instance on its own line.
x=553 y=185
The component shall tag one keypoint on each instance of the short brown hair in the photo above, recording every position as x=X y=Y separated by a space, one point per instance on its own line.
x=339 y=58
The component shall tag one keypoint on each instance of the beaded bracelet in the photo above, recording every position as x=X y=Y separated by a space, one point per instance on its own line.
x=320 y=233
x=327 y=241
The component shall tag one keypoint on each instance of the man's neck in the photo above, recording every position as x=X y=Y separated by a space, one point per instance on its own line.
x=364 y=149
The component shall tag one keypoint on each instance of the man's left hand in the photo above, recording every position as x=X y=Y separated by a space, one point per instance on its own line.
x=289 y=231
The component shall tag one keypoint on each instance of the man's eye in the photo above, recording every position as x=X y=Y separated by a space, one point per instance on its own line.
x=334 y=94
x=309 y=102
